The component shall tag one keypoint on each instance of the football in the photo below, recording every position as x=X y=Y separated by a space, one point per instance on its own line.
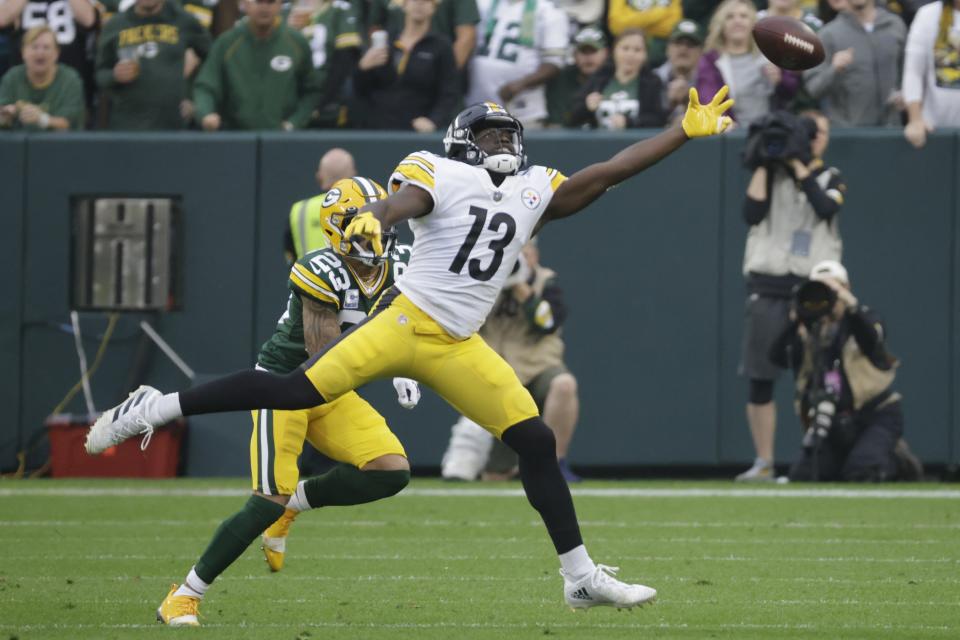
x=788 y=43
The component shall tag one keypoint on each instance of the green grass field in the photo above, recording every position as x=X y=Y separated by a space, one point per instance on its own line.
x=92 y=559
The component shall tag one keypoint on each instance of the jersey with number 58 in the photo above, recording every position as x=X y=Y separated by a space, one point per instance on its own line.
x=326 y=278
x=467 y=245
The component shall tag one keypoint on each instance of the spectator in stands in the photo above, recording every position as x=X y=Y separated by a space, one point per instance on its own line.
x=525 y=328
x=411 y=81
x=732 y=58
x=858 y=82
x=332 y=28
x=304 y=232
x=40 y=94
x=589 y=55
x=655 y=18
x=141 y=62
x=626 y=95
x=522 y=45
x=259 y=75
x=679 y=72
x=791 y=207
x=931 y=71
x=74 y=23
x=455 y=19
x=850 y=413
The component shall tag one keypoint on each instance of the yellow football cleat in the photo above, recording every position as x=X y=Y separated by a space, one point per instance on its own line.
x=179 y=611
x=275 y=540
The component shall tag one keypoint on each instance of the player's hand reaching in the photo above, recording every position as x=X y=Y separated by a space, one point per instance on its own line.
x=366 y=226
x=707 y=119
x=408 y=392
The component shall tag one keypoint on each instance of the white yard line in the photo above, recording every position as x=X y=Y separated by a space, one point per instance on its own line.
x=507 y=626
x=772 y=492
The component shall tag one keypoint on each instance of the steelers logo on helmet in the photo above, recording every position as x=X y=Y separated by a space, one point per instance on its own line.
x=340 y=205
x=486 y=135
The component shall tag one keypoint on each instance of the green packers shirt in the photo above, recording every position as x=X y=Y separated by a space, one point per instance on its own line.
x=325 y=277
x=63 y=97
x=618 y=98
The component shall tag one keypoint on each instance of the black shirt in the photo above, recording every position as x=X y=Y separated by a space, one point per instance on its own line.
x=415 y=83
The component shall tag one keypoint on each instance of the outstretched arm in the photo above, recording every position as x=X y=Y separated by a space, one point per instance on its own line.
x=590 y=183
x=409 y=202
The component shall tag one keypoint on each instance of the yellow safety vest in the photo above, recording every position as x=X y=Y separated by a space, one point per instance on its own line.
x=305 y=226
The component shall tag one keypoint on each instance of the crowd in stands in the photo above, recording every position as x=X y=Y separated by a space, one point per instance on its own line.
x=412 y=64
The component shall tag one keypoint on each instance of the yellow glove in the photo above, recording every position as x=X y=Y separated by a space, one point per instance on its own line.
x=366 y=226
x=707 y=119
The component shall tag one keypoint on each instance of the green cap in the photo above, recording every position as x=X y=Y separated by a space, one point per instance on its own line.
x=687 y=29
x=591 y=37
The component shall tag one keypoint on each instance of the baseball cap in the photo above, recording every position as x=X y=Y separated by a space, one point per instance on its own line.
x=687 y=29
x=830 y=269
x=590 y=37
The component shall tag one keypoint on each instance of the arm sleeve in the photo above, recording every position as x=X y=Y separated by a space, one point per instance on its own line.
x=818 y=80
x=868 y=331
x=824 y=204
x=305 y=283
x=546 y=313
x=448 y=86
x=309 y=88
x=70 y=105
x=754 y=211
x=919 y=45
x=208 y=87
x=417 y=169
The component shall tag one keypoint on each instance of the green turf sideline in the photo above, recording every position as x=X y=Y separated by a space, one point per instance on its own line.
x=772 y=492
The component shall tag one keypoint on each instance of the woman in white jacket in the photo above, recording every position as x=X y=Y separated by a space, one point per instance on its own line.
x=931 y=71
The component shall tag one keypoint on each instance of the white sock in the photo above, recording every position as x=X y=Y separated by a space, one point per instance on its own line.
x=165 y=409
x=298 y=501
x=192 y=586
x=576 y=563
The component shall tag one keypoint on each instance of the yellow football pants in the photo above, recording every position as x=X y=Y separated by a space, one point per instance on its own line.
x=347 y=430
x=402 y=340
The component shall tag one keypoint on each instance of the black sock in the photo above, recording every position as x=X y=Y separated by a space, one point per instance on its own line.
x=235 y=534
x=546 y=489
x=249 y=390
x=346 y=485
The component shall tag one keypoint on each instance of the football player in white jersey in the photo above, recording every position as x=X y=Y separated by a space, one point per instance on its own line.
x=470 y=212
x=521 y=45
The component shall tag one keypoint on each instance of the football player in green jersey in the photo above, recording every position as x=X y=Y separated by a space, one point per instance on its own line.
x=330 y=290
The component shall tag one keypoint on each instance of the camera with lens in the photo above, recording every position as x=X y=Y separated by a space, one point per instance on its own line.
x=777 y=137
x=812 y=301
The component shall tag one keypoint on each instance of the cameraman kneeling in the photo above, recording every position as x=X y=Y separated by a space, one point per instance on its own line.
x=844 y=374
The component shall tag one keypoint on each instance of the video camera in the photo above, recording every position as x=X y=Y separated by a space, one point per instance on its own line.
x=777 y=137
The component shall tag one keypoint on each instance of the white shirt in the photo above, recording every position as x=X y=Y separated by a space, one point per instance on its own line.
x=941 y=107
x=465 y=248
x=503 y=59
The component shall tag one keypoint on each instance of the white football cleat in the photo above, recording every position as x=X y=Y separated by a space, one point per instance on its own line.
x=601 y=589
x=123 y=422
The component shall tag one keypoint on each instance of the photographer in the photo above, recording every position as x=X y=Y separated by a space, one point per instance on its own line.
x=851 y=416
x=791 y=208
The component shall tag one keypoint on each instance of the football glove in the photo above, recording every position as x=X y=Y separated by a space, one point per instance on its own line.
x=408 y=392
x=707 y=119
x=366 y=226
